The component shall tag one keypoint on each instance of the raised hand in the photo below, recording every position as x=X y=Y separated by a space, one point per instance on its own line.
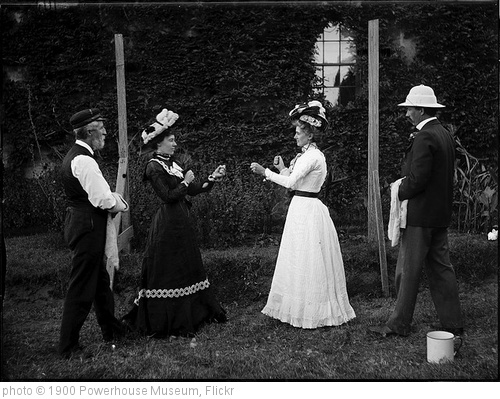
x=189 y=176
x=219 y=172
x=278 y=163
x=257 y=169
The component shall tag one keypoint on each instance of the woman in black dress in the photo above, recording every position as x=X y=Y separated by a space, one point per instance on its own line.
x=175 y=296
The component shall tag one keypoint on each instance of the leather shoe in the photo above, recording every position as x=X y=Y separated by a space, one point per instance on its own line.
x=383 y=331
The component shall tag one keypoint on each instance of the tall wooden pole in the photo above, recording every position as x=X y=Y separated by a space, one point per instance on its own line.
x=122 y=177
x=375 y=219
x=121 y=95
x=122 y=219
x=373 y=124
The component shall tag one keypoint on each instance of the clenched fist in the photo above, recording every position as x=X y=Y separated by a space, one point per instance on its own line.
x=189 y=176
x=278 y=163
x=219 y=172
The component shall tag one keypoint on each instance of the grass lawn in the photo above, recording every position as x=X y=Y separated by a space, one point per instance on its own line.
x=250 y=346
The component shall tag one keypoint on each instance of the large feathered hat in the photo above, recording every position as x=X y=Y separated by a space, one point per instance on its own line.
x=312 y=113
x=164 y=120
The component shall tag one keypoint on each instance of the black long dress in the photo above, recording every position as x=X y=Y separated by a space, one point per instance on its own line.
x=175 y=297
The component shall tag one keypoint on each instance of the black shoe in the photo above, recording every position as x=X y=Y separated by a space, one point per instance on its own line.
x=221 y=318
x=384 y=331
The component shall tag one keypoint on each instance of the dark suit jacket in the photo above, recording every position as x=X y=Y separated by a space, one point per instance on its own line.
x=429 y=170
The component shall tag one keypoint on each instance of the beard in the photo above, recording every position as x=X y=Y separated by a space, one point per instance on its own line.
x=98 y=144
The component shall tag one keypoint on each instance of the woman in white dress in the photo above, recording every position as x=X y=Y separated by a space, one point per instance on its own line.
x=309 y=286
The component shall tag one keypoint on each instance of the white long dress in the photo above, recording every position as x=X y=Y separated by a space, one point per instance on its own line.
x=309 y=286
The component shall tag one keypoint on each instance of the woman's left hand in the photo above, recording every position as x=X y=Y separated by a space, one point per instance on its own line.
x=257 y=169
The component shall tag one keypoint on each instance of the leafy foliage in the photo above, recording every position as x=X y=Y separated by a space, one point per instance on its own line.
x=477 y=193
x=232 y=72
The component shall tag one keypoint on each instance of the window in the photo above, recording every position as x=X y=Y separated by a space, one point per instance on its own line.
x=334 y=60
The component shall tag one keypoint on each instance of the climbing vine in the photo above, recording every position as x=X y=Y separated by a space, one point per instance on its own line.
x=232 y=72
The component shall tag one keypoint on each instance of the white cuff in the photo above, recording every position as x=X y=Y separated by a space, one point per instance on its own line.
x=120 y=206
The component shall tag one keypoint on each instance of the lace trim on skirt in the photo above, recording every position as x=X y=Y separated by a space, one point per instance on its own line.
x=172 y=292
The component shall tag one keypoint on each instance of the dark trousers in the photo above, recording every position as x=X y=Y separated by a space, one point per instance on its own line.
x=425 y=248
x=85 y=233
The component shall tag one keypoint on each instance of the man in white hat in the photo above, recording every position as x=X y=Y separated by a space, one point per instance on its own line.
x=428 y=173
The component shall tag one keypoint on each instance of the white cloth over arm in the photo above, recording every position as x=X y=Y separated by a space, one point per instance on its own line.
x=397 y=216
x=111 y=247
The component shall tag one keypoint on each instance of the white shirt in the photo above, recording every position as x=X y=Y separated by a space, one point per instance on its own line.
x=308 y=174
x=422 y=124
x=86 y=170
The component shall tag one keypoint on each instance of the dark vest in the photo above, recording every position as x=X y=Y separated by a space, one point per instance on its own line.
x=76 y=195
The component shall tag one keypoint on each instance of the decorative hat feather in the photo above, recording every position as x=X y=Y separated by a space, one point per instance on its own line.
x=312 y=112
x=164 y=120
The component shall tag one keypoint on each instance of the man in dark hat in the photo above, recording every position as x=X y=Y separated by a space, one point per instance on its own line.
x=89 y=201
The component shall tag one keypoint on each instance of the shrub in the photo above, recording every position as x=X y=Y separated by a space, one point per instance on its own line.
x=233 y=76
x=476 y=193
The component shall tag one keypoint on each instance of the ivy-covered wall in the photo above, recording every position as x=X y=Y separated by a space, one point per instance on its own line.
x=232 y=72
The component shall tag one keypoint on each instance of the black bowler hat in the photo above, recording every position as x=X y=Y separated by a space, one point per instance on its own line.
x=84 y=117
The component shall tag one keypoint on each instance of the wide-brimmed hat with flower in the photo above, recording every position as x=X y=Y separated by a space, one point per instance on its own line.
x=312 y=113
x=164 y=120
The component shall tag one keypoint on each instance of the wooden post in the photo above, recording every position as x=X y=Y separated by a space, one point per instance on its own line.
x=380 y=233
x=375 y=219
x=373 y=121
x=121 y=96
x=121 y=219
x=122 y=176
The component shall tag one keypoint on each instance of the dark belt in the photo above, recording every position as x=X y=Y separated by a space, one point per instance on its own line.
x=303 y=194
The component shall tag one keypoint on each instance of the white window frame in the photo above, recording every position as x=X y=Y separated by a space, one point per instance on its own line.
x=334 y=59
